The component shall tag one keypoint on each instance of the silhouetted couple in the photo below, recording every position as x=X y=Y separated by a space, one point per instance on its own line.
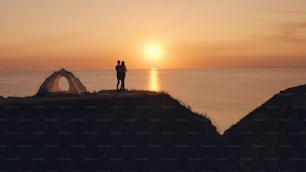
x=121 y=70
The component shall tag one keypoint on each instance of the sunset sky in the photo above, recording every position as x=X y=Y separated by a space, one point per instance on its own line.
x=93 y=34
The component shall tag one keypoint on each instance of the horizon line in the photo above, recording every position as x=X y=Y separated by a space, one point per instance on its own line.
x=180 y=68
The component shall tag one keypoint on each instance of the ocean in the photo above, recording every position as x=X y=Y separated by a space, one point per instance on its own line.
x=223 y=95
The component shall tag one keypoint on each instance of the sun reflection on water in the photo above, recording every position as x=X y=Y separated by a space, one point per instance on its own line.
x=154 y=80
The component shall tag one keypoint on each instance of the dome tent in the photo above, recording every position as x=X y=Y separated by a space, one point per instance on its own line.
x=51 y=85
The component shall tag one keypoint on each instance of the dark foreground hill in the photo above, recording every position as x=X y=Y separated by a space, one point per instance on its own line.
x=107 y=131
x=273 y=137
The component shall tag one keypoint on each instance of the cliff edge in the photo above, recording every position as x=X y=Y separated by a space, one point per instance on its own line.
x=108 y=131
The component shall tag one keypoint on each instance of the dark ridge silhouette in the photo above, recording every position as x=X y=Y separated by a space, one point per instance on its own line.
x=108 y=131
x=272 y=137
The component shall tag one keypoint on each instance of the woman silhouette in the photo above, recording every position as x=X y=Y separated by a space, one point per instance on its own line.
x=123 y=70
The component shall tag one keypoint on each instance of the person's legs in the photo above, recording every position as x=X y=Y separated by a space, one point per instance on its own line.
x=122 y=84
x=118 y=82
x=122 y=87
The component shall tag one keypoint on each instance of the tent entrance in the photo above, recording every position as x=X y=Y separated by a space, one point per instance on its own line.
x=61 y=81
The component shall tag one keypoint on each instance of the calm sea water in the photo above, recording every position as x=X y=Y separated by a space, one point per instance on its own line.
x=224 y=95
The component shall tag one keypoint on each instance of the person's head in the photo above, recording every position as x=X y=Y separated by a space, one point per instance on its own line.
x=118 y=62
x=122 y=62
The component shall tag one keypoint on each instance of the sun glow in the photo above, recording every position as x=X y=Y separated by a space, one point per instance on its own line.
x=153 y=51
x=153 y=54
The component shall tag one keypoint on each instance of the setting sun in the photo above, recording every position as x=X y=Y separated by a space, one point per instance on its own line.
x=153 y=54
x=153 y=51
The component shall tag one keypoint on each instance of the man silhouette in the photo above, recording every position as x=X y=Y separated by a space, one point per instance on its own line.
x=122 y=72
x=119 y=75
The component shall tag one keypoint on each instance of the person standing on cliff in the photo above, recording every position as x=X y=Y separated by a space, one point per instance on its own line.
x=118 y=72
x=123 y=70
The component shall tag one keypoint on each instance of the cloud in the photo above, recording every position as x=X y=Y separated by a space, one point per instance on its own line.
x=293 y=12
x=46 y=41
x=292 y=32
x=64 y=44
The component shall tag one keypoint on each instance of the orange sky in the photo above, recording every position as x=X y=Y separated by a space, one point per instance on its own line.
x=93 y=34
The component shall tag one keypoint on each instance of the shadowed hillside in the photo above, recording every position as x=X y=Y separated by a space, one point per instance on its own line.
x=273 y=137
x=107 y=131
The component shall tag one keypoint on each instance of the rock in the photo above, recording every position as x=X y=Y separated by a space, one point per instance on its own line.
x=107 y=131
x=272 y=137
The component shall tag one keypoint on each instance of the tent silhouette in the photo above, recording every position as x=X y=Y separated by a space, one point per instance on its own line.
x=51 y=85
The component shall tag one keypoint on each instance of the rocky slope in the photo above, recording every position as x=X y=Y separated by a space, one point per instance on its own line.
x=272 y=137
x=108 y=131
